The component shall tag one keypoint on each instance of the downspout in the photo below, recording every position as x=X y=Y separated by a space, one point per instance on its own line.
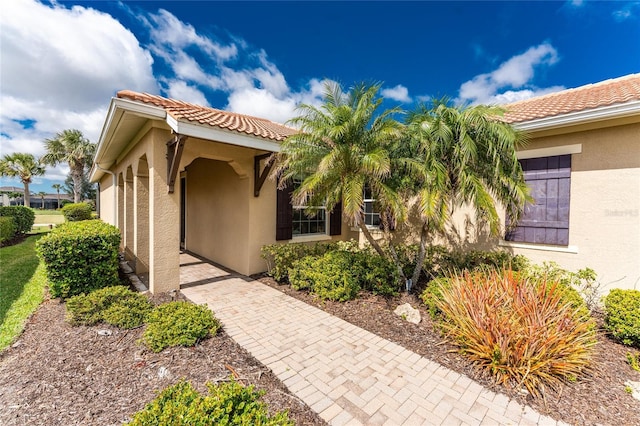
x=115 y=192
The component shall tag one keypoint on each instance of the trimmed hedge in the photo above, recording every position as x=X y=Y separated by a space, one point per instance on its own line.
x=80 y=257
x=280 y=257
x=622 y=315
x=23 y=217
x=7 y=229
x=76 y=212
x=226 y=404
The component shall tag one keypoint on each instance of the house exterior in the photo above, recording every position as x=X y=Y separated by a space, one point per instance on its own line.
x=174 y=176
x=583 y=165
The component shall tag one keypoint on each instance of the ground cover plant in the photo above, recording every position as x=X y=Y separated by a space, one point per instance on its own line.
x=23 y=280
x=523 y=331
x=179 y=324
x=116 y=305
x=80 y=257
x=226 y=403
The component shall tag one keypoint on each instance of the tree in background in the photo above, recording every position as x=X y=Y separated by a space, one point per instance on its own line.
x=71 y=147
x=42 y=194
x=57 y=187
x=87 y=189
x=23 y=166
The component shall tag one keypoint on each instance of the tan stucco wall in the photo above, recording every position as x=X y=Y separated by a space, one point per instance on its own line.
x=604 y=220
x=217 y=213
x=225 y=222
x=107 y=195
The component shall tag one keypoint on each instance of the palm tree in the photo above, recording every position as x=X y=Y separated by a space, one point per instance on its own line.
x=469 y=158
x=342 y=147
x=57 y=187
x=23 y=166
x=42 y=194
x=71 y=147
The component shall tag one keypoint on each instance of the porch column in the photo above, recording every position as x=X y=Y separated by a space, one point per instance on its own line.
x=141 y=203
x=128 y=215
x=164 y=227
x=120 y=201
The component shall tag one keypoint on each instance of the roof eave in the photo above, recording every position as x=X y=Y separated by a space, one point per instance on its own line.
x=608 y=112
x=119 y=107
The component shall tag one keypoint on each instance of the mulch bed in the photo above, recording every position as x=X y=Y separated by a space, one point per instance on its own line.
x=598 y=398
x=56 y=374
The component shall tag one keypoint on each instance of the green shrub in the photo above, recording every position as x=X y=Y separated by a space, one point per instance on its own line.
x=80 y=257
x=115 y=305
x=23 y=217
x=280 y=257
x=432 y=295
x=580 y=288
x=622 y=315
x=75 y=212
x=519 y=330
x=7 y=229
x=473 y=260
x=179 y=324
x=339 y=275
x=226 y=404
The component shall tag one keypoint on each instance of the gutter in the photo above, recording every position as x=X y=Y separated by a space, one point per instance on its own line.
x=580 y=117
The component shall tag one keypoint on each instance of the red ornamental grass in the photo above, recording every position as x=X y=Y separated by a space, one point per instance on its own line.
x=524 y=332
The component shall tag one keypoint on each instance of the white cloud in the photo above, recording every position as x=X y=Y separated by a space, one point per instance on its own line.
x=628 y=11
x=179 y=89
x=59 y=67
x=398 y=93
x=515 y=75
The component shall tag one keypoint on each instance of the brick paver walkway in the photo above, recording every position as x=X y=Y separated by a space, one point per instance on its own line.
x=346 y=374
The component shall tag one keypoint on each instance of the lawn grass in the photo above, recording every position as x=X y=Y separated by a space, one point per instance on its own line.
x=49 y=217
x=22 y=282
x=39 y=212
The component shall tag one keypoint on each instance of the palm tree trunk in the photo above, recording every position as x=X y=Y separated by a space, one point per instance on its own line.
x=76 y=176
x=422 y=251
x=370 y=239
x=58 y=191
x=26 y=200
x=378 y=249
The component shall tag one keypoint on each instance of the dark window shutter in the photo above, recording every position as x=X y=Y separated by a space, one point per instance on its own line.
x=284 y=214
x=335 y=220
x=546 y=220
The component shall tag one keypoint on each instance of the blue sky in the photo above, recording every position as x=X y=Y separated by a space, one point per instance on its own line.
x=61 y=62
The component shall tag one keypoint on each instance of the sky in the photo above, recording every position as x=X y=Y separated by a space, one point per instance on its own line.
x=61 y=62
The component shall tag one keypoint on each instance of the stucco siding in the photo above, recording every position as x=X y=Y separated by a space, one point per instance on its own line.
x=218 y=213
x=604 y=223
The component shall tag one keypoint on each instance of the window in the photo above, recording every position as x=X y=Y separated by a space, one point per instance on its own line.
x=546 y=220
x=371 y=217
x=303 y=224
x=290 y=221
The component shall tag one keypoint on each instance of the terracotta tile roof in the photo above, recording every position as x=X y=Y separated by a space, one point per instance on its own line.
x=183 y=111
x=604 y=93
